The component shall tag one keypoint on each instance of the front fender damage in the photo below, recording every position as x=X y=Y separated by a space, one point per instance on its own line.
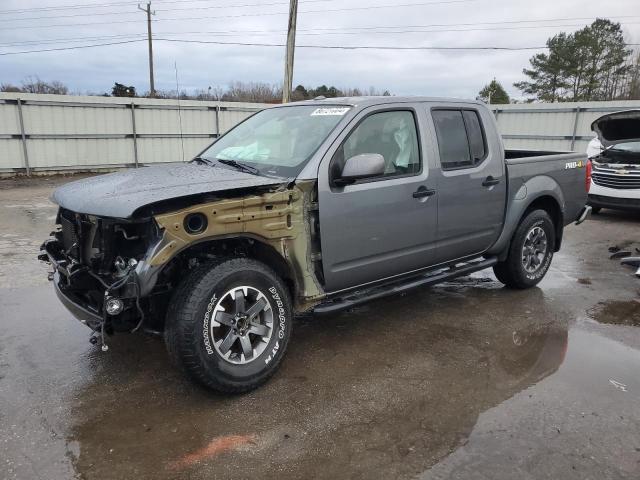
x=278 y=218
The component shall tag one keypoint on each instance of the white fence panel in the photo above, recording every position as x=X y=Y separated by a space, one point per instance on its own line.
x=62 y=132
x=553 y=126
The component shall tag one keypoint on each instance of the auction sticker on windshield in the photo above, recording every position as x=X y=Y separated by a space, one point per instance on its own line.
x=330 y=111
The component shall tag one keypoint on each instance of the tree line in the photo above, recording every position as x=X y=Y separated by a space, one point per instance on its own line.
x=591 y=64
x=253 y=92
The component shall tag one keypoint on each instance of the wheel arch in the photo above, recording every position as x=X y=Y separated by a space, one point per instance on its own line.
x=227 y=246
x=548 y=198
x=550 y=205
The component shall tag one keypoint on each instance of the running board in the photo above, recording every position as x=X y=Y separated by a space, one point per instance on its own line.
x=430 y=278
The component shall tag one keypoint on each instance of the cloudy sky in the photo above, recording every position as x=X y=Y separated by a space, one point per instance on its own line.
x=36 y=25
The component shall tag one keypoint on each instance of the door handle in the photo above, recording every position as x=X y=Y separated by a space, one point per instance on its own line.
x=423 y=192
x=490 y=181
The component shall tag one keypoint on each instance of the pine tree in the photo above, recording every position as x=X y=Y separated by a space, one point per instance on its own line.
x=590 y=64
x=494 y=93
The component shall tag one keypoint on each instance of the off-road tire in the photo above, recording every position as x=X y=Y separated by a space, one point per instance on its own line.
x=187 y=333
x=512 y=272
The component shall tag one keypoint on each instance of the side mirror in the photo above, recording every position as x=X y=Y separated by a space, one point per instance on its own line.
x=365 y=165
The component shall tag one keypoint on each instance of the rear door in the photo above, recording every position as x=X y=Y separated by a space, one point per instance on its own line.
x=382 y=226
x=471 y=183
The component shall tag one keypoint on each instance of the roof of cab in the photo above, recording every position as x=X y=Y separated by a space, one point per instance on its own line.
x=368 y=101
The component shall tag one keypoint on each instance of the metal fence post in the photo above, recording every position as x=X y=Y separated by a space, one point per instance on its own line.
x=575 y=128
x=23 y=135
x=217 y=120
x=135 y=133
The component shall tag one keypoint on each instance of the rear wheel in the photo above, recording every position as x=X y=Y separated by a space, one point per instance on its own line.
x=530 y=252
x=229 y=324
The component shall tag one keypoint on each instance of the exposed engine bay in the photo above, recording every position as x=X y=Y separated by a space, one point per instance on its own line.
x=95 y=260
x=122 y=272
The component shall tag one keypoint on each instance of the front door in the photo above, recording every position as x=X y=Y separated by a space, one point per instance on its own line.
x=471 y=185
x=381 y=226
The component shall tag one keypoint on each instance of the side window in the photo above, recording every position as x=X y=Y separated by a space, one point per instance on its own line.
x=390 y=134
x=452 y=139
x=460 y=138
x=475 y=134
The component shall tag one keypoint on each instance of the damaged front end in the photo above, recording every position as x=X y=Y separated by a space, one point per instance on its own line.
x=96 y=263
x=118 y=275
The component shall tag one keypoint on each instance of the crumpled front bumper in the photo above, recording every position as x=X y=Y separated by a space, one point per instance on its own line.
x=64 y=272
x=84 y=313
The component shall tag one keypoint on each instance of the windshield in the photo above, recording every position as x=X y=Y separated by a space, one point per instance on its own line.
x=277 y=141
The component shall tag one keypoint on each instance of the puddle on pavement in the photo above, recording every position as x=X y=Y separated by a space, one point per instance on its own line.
x=383 y=391
x=617 y=312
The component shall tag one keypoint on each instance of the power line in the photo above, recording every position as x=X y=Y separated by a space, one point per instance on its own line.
x=500 y=22
x=450 y=30
x=113 y=4
x=344 y=47
x=73 y=15
x=77 y=47
x=301 y=32
x=71 y=40
x=208 y=7
x=93 y=14
x=350 y=9
x=357 y=47
x=313 y=33
x=255 y=44
x=340 y=30
x=54 y=25
x=66 y=7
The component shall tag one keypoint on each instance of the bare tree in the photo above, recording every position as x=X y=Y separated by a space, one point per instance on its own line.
x=8 y=87
x=253 y=92
x=36 y=85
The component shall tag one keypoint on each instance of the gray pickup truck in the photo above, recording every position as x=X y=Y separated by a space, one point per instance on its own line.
x=307 y=207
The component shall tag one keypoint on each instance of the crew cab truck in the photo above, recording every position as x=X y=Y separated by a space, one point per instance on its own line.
x=306 y=207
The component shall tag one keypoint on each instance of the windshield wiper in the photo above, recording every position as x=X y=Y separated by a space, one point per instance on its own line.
x=239 y=166
x=203 y=161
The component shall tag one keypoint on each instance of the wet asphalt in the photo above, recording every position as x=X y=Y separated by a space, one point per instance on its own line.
x=462 y=380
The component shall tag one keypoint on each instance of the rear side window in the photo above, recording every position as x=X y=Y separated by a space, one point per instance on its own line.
x=460 y=138
x=475 y=134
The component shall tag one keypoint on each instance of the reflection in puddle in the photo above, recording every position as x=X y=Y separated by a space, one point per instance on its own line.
x=384 y=391
x=617 y=312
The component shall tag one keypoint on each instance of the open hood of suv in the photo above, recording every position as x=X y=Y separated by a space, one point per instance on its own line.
x=120 y=194
x=619 y=127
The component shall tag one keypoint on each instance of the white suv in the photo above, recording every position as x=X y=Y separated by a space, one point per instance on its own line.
x=615 y=161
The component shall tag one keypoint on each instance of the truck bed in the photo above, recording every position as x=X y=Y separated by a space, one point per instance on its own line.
x=559 y=172
x=559 y=175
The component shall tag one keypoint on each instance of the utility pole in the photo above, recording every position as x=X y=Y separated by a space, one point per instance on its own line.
x=152 y=89
x=291 y=46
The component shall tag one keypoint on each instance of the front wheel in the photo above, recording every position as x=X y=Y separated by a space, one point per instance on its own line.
x=530 y=252
x=229 y=324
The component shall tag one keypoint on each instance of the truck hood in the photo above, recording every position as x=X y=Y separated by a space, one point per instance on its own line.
x=120 y=194
x=619 y=127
